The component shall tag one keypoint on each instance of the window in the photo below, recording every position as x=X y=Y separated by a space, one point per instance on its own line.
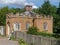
x=27 y=25
x=16 y=26
x=45 y=26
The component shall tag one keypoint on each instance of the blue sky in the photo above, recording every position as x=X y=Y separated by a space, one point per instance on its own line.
x=21 y=3
x=40 y=2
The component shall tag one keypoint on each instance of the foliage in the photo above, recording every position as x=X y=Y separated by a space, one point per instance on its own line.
x=22 y=42
x=6 y=10
x=58 y=11
x=44 y=34
x=3 y=12
x=32 y=30
x=16 y=10
x=12 y=38
x=48 y=9
x=48 y=34
x=57 y=24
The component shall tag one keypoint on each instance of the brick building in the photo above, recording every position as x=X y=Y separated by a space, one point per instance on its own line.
x=21 y=22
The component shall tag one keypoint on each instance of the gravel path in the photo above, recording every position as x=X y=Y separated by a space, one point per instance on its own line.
x=5 y=41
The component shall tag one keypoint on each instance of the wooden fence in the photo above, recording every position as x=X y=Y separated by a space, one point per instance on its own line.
x=36 y=40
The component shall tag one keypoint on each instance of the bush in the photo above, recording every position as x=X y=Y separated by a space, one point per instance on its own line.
x=22 y=42
x=32 y=30
x=45 y=34
x=56 y=35
x=12 y=38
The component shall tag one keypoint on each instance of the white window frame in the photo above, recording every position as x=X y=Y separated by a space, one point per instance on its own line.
x=16 y=27
x=27 y=25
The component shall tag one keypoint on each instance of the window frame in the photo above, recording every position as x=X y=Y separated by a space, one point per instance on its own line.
x=45 y=26
x=17 y=26
x=27 y=25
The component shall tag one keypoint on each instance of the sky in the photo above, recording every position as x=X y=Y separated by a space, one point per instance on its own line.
x=22 y=3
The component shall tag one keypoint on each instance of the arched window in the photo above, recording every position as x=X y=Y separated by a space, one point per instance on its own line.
x=27 y=25
x=45 y=26
x=16 y=26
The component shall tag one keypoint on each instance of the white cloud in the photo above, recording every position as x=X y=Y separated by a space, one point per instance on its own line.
x=18 y=3
x=13 y=2
x=33 y=6
x=29 y=3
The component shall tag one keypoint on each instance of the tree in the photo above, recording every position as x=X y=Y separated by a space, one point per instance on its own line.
x=58 y=11
x=3 y=12
x=47 y=8
x=6 y=10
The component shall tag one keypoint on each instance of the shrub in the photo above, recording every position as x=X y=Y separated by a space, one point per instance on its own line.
x=56 y=35
x=12 y=38
x=45 y=34
x=32 y=30
x=22 y=42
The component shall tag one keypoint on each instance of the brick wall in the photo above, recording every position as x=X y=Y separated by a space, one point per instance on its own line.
x=39 y=21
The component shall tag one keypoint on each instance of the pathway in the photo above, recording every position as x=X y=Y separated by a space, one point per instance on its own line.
x=5 y=41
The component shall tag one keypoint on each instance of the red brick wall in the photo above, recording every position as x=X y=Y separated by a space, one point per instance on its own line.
x=38 y=23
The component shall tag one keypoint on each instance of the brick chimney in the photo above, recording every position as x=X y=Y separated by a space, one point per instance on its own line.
x=28 y=8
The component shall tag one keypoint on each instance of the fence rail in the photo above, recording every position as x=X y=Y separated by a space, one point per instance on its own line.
x=36 y=40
